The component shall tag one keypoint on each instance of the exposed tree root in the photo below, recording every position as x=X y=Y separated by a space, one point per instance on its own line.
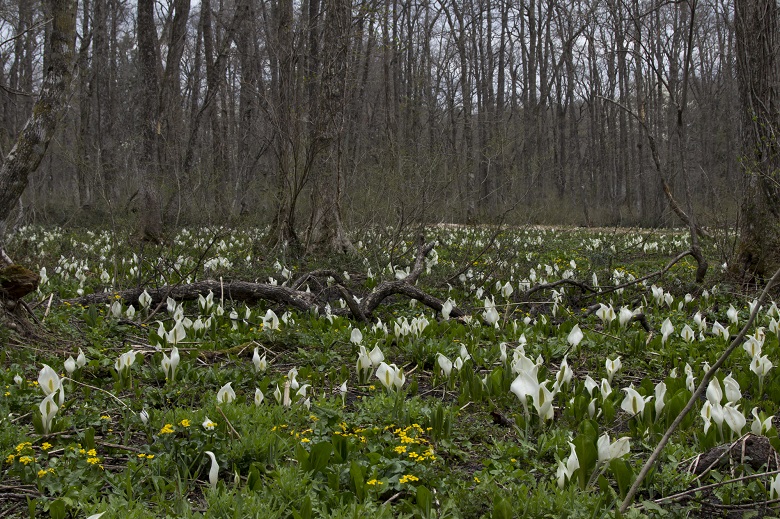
x=359 y=308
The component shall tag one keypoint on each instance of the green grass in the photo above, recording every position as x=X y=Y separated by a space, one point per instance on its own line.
x=132 y=443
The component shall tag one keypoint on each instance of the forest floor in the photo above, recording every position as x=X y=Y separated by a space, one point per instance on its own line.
x=535 y=381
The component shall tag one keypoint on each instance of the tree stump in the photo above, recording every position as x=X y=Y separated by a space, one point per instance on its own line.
x=17 y=281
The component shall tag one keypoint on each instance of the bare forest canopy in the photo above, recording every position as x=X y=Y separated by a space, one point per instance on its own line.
x=383 y=111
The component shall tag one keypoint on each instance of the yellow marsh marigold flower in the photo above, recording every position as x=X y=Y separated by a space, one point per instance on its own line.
x=373 y=482
x=10 y=458
x=93 y=461
x=185 y=423
x=46 y=446
x=91 y=452
x=167 y=429
x=25 y=460
x=406 y=478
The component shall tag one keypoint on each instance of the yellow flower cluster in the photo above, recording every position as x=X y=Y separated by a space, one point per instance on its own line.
x=22 y=448
x=43 y=472
x=415 y=429
x=94 y=460
x=185 y=423
x=147 y=456
x=357 y=432
x=373 y=482
x=167 y=429
x=301 y=435
x=45 y=446
x=413 y=435
x=422 y=457
x=406 y=478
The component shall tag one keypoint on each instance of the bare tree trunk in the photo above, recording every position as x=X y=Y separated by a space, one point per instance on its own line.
x=213 y=82
x=327 y=232
x=282 y=231
x=757 y=41
x=31 y=145
x=170 y=85
x=103 y=109
x=458 y=27
x=148 y=162
x=248 y=108
x=84 y=171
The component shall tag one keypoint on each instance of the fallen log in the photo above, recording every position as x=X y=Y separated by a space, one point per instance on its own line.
x=359 y=308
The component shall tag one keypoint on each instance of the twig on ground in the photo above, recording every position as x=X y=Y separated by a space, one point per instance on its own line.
x=696 y=395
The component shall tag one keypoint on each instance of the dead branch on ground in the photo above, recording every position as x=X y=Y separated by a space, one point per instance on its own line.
x=359 y=308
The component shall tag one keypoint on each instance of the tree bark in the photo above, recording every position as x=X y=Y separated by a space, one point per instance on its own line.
x=291 y=169
x=327 y=231
x=170 y=88
x=31 y=145
x=756 y=27
x=84 y=173
x=103 y=109
x=149 y=165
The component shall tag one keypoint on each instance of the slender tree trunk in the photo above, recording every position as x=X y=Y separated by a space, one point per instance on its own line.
x=458 y=27
x=247 y=107
x=213 y=82
x=288 y=185
x=103 y=111
x=84 y=172
x=170 y=88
